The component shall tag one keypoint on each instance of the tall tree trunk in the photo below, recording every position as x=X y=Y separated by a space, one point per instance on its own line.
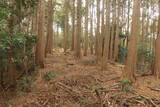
x=86 y=29
x=66 y=32
x=91 y=29
x=130 y=68
x=97 y=47
x=78 y=30
x=157 y=49
x=40 y=47
x=113 y=30
x=102 y=29
x=116 y=46
x=106 y=38
x=11 y=66
x=73 y=25
x=49 y=41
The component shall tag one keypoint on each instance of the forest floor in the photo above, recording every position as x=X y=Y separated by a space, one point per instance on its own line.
x=83 y=84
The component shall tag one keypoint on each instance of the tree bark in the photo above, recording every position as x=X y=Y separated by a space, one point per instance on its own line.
x=157 y=49
x=66 y=32
x=106 y=38
x=130 y=67
x=40 y=47
x=86 y=29
x=49 y=42
x=73 y=25
x=78 y=30
x=116 y=45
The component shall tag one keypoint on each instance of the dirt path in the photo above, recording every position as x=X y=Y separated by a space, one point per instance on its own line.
x=77 y=84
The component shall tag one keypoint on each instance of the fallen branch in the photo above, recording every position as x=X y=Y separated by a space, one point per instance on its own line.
x=154 y=89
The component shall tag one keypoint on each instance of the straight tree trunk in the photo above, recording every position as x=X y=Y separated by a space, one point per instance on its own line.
x=97 y=47
x=157 y=50
x=130 y=67
x=91 y=30
x=102 y=28
x=78 y=30
x=73 y=25
x=49 y=42
x=86 y=29
x=106 y=38
x=117 y=41
x=113 y=31
x=40 y=47
x=66 y=32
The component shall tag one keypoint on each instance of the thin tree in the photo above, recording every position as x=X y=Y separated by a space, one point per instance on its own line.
x=86 y=29
x=66 y=26
x=97 y=47
x=73 y=24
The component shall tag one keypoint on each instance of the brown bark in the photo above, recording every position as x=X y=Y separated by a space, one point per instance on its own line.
x=113 y=31
x=130 y=67
x=66 y=33
x=117 y=41
x=40 y=47
x=49 y=41
x=11 y=66
x=78 y=30
x=102 y=29
x=91 y=31
x=106 y=38
x=97 y=47
x=73 y=24
x=86 y=30
x=157 y=50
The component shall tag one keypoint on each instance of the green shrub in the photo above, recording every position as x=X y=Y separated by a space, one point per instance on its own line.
x=84 y=103
x=49 y=75
x=149 y=82
x=125 y=81
x=122 y=54
x=127 y=89
x=88 y=61
x=25 y=84
x=123 y=36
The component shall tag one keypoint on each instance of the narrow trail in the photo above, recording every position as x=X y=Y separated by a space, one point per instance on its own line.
x=75 y=85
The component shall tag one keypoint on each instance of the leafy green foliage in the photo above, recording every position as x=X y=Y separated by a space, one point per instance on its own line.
x=9 y=103
x=123 y=36
x=127 y=89
x=146 y=54
x=49 y=75
x=125 y=82
x=13 y=42
x=25 y=84
x=20 y=94
x=149 y=82
x=122 y=54
x=88 y=61
x=84 y=103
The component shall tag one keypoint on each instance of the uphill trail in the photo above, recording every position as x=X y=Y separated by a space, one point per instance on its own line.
x=79 y=83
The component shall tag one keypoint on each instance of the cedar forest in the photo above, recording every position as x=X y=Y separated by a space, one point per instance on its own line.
x=79 y=53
